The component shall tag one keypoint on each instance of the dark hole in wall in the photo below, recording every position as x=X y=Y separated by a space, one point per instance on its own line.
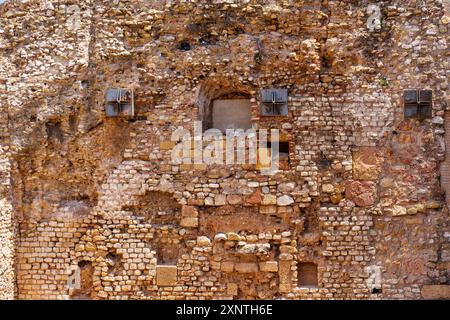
x=184 y=46
x=323 y=162
x=239 y=29
x=31 y=110
x=84 y=264
x=54 y=132
x=307 y=275
x=114 y=263
x=276 y=249
x=86 y=282
x=284 y=160
x=84 y=84
x=202 y=30
x=73 y=123
x=325 y=63
x=168 y=253
x=276 y=219
x=138 y=118
x=283 y=150
x=376 y=291
x=311 y=222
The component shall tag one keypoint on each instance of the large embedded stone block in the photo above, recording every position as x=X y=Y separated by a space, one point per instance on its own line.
x=367 y=164
x=203 y=241
x=246 y=267
x=220 y=200
x=398 y=211
x=200 y=166
x=166 y=276
x=188 y=222
x=434 y=292
x=185 y=167
x=234 y=199
x=286 y=187
x=269 y=199
x=189 y=211
x=285 y=201
x=328 y=188
x=255 y=198
x=268 y=209
x=362 y=193
x=167 y=145
x=227 y=266
x=268 y=266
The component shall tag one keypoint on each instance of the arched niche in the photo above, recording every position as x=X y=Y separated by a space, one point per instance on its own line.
x=224 y=105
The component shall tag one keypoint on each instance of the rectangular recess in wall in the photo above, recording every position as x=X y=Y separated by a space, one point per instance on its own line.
x=307 y=275
x=283 y=150
x=232 y=114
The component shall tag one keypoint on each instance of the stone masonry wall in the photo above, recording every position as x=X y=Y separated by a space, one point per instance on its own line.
x=6 y=211
x=93 y=207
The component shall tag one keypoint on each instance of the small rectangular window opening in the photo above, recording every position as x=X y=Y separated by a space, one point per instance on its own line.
x=283 y=150
x=418 y=103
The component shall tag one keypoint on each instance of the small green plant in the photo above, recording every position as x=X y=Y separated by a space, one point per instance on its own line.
x=258 y=57
x=382 y=22
x=383 y=81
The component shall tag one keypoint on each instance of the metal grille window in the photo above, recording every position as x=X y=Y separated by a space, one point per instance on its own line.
x=119 y=102
x=418 y=103
x=274 y=102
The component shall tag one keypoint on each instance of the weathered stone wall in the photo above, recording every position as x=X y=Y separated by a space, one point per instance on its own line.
x=6 y=212
x=98 y=201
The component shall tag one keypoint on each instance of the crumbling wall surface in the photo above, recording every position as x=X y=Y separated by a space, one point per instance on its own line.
x=7 y=289
x=93 y=207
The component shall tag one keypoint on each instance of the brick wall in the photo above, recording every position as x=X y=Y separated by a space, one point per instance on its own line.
x=7 y=276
